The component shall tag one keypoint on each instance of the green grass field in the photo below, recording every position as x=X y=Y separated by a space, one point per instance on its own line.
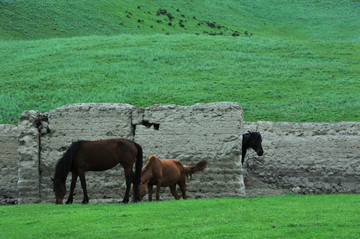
x=287 y=61
x=321 y=216
x=282 y=60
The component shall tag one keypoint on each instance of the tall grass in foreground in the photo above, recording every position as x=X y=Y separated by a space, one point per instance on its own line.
x=273 y=79
x=321 y=216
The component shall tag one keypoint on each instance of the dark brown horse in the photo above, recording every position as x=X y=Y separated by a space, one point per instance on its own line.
x=251 y=140
x=166 y=173
x=100 y=155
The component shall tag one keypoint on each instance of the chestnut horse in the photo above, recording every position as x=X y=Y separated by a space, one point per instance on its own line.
x=166 y=173
x=251 y=140
x=100 y=155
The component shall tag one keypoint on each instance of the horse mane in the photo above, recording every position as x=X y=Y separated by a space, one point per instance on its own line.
x=149 y=162
x=63 y=166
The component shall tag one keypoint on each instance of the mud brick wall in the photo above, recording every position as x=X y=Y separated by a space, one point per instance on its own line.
x=209 y=132
x=9 y=164
x=299 y=157
x=29 y=152
x=202 y=131
x=84 y=122
x=308 y=157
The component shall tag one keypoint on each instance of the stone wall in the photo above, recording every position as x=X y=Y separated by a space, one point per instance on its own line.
x=209 y=132
x=306 y=157
x=8 y=164
x=190 y=134
x=85 y=122
x=299 y=157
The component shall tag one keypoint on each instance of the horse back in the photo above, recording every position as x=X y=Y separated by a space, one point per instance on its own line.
x=168 y=171
x=173 y=171
x=104 y=154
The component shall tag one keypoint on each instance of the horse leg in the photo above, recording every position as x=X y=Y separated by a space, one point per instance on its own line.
x=158 y=187
x=150 y=189
x=182 y=185
x=72 y=187
x=173 y=192
x=128 y=174
x=83 y=185
x=136 y=188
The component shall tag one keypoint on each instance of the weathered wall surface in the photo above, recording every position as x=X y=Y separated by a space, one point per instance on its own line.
x=307 y=157
x=8 y=164
x=30 y=127
x=209 y=132
x=299 y=157
x=203 y=131
x=84 y=122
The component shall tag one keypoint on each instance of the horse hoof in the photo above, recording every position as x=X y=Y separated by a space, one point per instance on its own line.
x=68 y=202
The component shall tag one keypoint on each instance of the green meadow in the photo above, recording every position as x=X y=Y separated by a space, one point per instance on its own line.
x=321 y=216
x=281 y=60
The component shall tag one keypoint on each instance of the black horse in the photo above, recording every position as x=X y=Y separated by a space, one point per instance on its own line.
x=251 y=140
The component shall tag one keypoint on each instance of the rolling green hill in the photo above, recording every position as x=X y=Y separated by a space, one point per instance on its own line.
x=36 y=19
x=281 y=60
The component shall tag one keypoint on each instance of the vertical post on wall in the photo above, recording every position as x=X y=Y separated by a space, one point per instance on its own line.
x=28 y=151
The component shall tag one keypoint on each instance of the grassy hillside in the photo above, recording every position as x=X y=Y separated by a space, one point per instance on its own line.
x=281 y=60
x=325 y=216
x=272 y=79
x=35 y=19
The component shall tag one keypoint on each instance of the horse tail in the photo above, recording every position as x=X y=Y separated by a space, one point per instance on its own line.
x=190 y=170
x=138 y=169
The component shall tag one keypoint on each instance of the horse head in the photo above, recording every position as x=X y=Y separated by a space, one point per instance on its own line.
x=252 y=140
x=142 y=191
x=59 y=189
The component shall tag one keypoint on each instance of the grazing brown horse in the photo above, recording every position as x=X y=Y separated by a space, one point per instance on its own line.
x=100 y=155
x=166 y=173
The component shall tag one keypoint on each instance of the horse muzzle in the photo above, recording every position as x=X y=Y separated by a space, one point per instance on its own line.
x=260 y=152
